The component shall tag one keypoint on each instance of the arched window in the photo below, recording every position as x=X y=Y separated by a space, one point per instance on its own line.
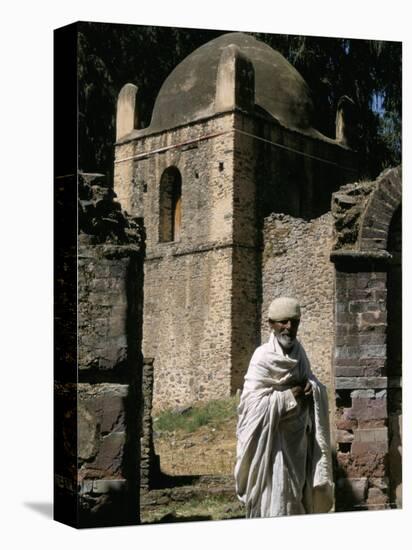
x=170 y=205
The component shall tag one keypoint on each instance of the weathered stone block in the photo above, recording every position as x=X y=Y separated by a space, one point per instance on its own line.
x=364 y=394
x=88 y=433
x=349 y=371
x=359 y=306
x=108 y=461
x=377 y=499
x=345 y=362
x=344 y=436
x=369 y=319
x=373 y=423
x=101 y=429
x=372 y=351
x=113 y=414
x=101 y=486
x=368 y=409
x=352 y=383
x=373 y=435
x=370 y=463
x=381 y=483
x=356 y=350
x=343 y=423
x=369 y=448
x=375 y=371
x=359 y=294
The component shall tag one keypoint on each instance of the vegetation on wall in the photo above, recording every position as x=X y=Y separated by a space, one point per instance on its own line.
x=370 y=72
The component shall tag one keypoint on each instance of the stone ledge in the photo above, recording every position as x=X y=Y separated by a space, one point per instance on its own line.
x=361 y=382
x=371 y=435
x=342 y=254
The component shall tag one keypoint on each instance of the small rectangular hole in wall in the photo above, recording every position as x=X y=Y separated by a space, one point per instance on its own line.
x=343 y=398
x=144 y=187
x=221 y=166
x=344 y=447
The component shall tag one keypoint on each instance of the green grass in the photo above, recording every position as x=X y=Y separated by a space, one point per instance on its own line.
x=213 y=413
x=212 y=508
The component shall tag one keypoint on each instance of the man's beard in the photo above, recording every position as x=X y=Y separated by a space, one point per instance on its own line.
x=286 y=340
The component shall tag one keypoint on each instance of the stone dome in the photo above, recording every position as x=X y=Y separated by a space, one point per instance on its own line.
x=188 y=93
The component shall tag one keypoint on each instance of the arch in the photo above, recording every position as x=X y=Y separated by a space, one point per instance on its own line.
x=380 y=209
x=170 y=205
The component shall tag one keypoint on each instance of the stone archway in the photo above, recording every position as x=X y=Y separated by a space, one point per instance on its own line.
x=365 y=216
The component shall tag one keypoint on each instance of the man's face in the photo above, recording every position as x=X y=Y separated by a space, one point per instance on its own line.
x=285 y=331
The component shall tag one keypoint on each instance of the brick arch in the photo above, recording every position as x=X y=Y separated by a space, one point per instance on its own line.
x=380 y=209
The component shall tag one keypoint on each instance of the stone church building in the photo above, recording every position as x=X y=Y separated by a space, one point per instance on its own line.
x=244 y=200
x=232 y=144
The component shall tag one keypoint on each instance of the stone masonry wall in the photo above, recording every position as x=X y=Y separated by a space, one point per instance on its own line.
x=149 y=461
x=110 y=283
x=187 y=326
x=361 y=385
x=231 y=174
x=103 y=308
x=367 y=359
x=296 y=263
x=246 y=275
x=206 y=169
x=187 y=298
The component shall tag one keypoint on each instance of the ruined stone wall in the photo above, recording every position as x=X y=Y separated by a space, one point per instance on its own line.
x=367 y=358
x=296 y=262
x=296 y=173
x=361 y=406
x=149 y=461
x=110 y=282
x=65 y=351
x=103 y=307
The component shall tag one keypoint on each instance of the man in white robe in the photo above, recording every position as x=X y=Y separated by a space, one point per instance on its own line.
x=283 y=464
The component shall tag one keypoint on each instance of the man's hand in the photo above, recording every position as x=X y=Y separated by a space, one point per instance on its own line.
x=305 y=390
x=297 y=391
x=308 y=390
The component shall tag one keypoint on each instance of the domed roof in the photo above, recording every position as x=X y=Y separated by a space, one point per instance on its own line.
x=188 y=94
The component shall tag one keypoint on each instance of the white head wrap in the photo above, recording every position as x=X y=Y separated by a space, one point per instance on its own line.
x=284 y=308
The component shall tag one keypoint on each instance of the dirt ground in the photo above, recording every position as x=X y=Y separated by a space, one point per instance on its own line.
x=208 y=454
x=207 y=451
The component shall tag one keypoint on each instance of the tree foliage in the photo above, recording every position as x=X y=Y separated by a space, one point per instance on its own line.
x=109 y=55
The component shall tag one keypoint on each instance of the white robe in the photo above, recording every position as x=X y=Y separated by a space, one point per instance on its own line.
x=283 y=464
